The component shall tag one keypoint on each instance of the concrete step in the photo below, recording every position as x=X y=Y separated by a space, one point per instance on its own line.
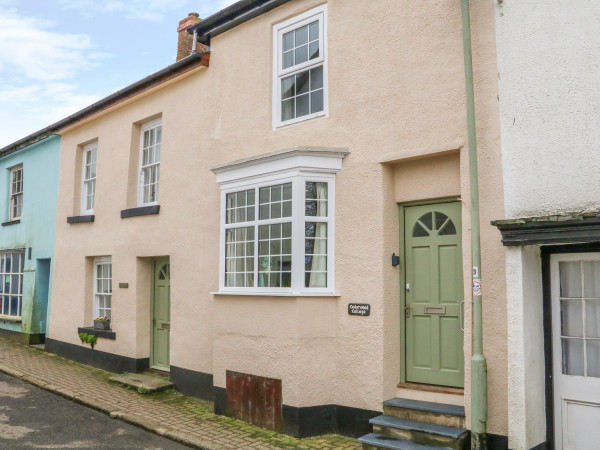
x=421 y=432
x=144 y=384
x=374 y=441
x=416 y=410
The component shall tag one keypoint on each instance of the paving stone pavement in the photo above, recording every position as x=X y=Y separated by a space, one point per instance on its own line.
x=184 y=419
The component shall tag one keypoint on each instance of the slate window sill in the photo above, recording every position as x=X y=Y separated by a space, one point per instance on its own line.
x=140 y=211
x=106 y=334
x=11 y=222
x=81 y=219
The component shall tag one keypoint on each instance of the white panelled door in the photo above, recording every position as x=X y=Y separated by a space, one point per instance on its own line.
x=576 y=350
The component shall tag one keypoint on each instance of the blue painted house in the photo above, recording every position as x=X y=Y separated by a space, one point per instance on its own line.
x=28 y=199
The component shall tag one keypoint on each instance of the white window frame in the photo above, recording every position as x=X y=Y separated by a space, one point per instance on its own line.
x=88 y=149
x=102 y=260
x=15 y=196
x=146 y=127
x=6 y=296
x=298 y=168
x=319 y=13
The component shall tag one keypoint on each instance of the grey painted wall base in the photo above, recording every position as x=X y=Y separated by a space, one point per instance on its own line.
x=23 y=338
x=97 y=358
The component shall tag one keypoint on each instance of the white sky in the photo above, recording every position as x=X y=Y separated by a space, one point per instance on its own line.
x=59 y=56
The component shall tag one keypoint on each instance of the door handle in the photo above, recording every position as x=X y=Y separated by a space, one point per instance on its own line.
x=460 y=312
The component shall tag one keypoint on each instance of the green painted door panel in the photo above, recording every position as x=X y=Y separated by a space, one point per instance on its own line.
x=434 y=292
x=161 y=315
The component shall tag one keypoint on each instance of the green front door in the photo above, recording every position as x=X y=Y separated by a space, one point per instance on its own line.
x=161 y=314
x=434 y=292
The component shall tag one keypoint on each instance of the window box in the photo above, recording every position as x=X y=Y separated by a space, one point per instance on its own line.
x=106 y=334
x=102 y=324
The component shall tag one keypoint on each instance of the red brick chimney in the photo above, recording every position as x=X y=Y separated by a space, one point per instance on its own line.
x=185 y=41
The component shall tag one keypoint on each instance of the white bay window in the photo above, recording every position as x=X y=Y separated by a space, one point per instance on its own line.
x=278 y=222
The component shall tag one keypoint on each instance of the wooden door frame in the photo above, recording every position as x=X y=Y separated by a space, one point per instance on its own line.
x=402 y=250
x=156 y=260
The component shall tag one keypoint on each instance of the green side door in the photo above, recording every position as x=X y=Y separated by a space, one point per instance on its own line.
x=161 y=315
x=434 y=293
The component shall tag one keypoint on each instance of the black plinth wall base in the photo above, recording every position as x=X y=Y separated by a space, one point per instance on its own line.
x=191 y=382
x=97 y=358
x=313 y=420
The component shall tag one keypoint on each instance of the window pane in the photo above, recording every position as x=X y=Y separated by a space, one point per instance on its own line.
x=572 y=356
x=570 y=279
x=301 y=54
x=287 y=230
x=593 y=358
x=288 y=59
x=287 y=109
x=592 y=318
x=313 y=50
x=288 y=87
x=571 y=318
x=302 y=105
x=287 y=191
x=287 y=209
x=301 y=35
x=288 y=41
x=302 y=80
x=313 y=31
x=591 y=279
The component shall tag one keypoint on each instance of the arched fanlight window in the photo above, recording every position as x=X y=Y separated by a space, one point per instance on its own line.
x=434 y=223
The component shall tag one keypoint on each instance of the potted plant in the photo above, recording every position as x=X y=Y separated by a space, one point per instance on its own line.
x=89 y=339
x=102 y=323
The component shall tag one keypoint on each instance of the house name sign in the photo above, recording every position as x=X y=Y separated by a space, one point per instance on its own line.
x=359 y=309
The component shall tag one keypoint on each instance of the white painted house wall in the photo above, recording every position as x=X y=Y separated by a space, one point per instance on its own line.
x=549 y=93
x=549 y=99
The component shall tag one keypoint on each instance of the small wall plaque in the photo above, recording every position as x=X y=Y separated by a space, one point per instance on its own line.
x=359 y=309
x=124 y=285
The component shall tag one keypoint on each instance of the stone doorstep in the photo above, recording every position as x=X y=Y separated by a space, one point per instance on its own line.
x=141 y=382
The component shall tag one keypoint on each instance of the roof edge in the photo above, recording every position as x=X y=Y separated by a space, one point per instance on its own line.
x=39 y=135
x=232 y=16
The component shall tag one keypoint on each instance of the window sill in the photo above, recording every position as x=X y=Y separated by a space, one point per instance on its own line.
x=81 y=219
x=278 y=294
x=11 y=222
x=16 y=319
x=106 y=334
x=300 y=120
x=140 y=211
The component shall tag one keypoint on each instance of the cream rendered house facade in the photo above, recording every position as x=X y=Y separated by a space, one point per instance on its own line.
x=237 y=219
